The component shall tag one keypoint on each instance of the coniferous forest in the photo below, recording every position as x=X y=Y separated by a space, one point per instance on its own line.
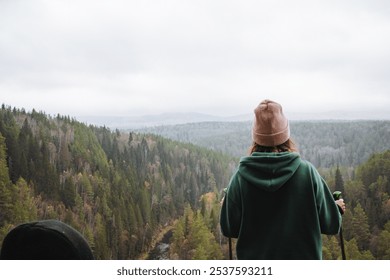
x=119 y=190
x=124 y=191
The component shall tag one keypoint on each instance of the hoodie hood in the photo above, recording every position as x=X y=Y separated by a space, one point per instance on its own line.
x=269 y=171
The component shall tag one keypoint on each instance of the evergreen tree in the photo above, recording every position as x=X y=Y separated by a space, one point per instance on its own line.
x=354 y=253
x=5 y=192
x=382 y=244
x=331 y=248
x=192 y=239
x=68 y=193
x=24 y=208
x=100 y=239
x=360 y=227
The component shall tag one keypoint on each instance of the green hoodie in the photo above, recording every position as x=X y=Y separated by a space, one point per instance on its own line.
x=277 y=205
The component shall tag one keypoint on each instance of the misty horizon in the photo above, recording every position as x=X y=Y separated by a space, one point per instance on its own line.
x=219 y=57
x=129 y=121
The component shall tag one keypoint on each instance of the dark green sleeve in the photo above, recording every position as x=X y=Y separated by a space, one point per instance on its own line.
x=329 y=215
x=230 y=218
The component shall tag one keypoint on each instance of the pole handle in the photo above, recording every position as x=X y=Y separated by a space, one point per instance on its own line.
x=336 y=196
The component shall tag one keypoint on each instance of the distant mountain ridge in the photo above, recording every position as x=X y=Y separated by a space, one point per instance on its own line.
x=325 y=143
x=138 y=122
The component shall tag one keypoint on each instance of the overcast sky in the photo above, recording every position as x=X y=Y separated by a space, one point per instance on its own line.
x=216 y=57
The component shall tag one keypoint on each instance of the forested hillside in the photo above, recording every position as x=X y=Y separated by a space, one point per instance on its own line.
x=354 y=158
x=324 y=143
x=119 y=190
x=123 y=191
x=366 y=223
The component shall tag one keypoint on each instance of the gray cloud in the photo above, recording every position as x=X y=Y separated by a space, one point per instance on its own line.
x=221 y=57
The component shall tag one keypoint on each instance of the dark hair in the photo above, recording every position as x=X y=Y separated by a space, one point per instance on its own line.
x=288 y=146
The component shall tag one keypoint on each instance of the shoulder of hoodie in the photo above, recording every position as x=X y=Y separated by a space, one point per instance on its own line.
x=303 y=163
x=310 y=167
x=306 y=164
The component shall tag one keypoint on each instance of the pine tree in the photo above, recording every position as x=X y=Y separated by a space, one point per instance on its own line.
x=68 y=193
x=331 y=248
x=5 y=191
x=100 y=239
x=192 y=239
x=24 y=207
x=4 y=174
x=178 y=244
x=383 y=243
x=353 y=252
x=360 y=227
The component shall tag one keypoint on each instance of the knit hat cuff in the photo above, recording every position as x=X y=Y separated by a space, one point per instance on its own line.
x=271 y=140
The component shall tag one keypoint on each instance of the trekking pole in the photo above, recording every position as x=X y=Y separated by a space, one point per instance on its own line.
x=229 y=238
x=337 y=196
x=230 y=249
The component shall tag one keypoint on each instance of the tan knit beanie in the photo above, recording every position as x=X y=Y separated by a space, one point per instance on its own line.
x=270 y=126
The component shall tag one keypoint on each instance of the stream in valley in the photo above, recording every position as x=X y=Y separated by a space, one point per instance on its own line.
x=161 y=250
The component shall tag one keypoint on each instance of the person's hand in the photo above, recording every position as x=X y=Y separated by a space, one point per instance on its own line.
x=340 y=203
